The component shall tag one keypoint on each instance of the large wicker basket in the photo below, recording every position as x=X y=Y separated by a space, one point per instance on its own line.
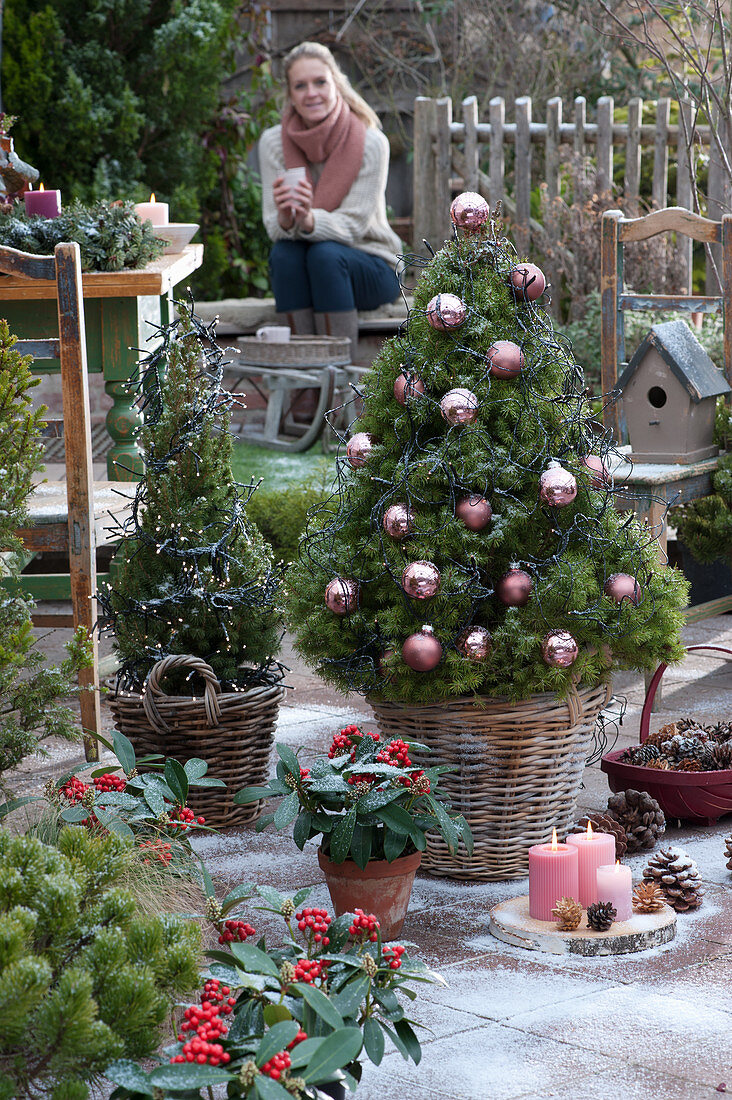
x=232 y=731
x=519 y=768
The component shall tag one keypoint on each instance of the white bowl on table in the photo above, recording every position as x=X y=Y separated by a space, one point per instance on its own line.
x=176 y=234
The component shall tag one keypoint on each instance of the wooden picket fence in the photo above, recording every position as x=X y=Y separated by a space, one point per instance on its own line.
x=448 y=156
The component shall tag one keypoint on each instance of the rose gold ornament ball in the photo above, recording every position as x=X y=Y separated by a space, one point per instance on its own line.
x=514 y=588
x=527 y=281
x=421 y=580
x=559 y=649
x=474 y=511
x=475 y=643
x=599 y=473
x=422 y=651
x=506 y=359
x=459 y=407
x=469 y=211
x=341 y=596
x=557 y=487
x=446 y=312
x=398 y=521
x=359 y=448
x=408 y=387
x=621 y=586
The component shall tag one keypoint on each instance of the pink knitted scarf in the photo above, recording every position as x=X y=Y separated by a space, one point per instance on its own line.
x=337 y=143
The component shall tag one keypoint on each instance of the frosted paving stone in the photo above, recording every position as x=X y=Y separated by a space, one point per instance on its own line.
x=510 y=921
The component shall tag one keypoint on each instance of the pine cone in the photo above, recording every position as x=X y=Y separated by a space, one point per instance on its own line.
x=661 y=736
x=640 y=815
x=721 y=732
x=722 y=754
x=687 y=764
x=677 y=875
x=601 y=915
x=642 y=755
x=661 y=765
x=603 y=823
x=568 y=914
x=648 y=898
x=728 y=851
x=683 y=747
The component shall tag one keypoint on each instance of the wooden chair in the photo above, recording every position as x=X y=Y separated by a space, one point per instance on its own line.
x=66 y=520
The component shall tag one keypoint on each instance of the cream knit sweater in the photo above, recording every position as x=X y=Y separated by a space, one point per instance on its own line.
x=360 y=220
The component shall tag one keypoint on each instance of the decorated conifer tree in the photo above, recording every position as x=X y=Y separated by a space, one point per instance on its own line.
x=194 y=575
x=472 y=544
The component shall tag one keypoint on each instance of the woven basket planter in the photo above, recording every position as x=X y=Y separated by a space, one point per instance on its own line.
x=232 y=731
x=519 y=768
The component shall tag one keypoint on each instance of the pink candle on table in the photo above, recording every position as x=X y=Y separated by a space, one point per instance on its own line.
x=615 y=884
x=155 y=212
x=552 y=875
x=46 y=204
x=593 y=850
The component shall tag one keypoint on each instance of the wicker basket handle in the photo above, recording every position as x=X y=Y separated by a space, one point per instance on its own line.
x=645 y=720
x=153 y=690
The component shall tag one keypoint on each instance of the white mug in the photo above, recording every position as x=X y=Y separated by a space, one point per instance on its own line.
x=274 y=334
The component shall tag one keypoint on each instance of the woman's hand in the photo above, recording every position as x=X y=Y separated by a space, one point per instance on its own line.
x=294 y=204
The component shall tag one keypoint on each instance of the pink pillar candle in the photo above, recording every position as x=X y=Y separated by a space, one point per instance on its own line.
x=615 y=884
x=552 y=875
x=593 y=850
x=155 y=212
x=45 y=204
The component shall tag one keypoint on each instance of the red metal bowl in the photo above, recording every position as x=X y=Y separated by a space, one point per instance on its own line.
x=692 y=796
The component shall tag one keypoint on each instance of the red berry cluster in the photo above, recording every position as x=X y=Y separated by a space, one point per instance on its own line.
x=316 y=922
x=236 y=931
x=304 y=774
x=299 y=1038
x=183 y=817
x=274 y=1067
x=74 y=790
x=217 y=994
x=109 y=782
x=365 y=925
x=204 y=1020
x=393 y=955
x=343 y=741
x=307 y=970
x=160 y=851
x=396 y=753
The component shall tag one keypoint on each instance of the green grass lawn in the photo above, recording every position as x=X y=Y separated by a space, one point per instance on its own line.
x=278 y=468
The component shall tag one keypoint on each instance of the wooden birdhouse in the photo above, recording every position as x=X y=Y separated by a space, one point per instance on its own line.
x=669 y=393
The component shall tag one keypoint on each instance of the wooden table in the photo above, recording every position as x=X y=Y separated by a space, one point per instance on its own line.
x=121 y=310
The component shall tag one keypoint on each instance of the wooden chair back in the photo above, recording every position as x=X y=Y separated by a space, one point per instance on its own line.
x=617 y=231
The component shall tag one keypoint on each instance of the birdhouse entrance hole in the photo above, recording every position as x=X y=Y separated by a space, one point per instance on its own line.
x=657 y=397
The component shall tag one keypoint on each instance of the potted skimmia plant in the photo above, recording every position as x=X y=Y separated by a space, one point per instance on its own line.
x=373 y=809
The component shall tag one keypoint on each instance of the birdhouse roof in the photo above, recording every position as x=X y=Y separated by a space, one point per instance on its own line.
x=679 y=348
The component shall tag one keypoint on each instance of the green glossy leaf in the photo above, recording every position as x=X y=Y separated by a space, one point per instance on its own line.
x=276 y=1039
x=154 y=799
x=374 y=800
x=340 y=838
x=207 y=781
x=446 y=827
x=373 y=1040
x=124 y=751
x=398 y=819
x=302 y=895
x=287 y=811
x=187 y=1075
x=251 y=794
x=74 y=813
x=274 y=897
x=406 y=1033
x=129 y=1075
x=320 y=1003
x=301 y=829
x=388 y=1000
x=290 y=761
x=394 y=845
x=240 y=1027
x=243 y=890
x=195 y=768
x=251 y=958
x=348 y=1000
x=177 y=780
x=268 y=1089
x=361 y=844
x=14 y=803
x=275 y=1014
x=120 y=827
x=396 y=1040
x=264 y=822
x=336 y=1051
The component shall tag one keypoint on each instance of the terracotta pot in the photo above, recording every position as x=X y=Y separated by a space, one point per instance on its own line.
x=381 y=888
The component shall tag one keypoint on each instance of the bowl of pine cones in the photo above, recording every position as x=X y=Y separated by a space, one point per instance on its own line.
x=686 y=766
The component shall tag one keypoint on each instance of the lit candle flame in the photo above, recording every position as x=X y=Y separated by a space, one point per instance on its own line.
x=152 y=196
x=589 y=830
x=617 y=866
x=555 y=846
x=41 y=188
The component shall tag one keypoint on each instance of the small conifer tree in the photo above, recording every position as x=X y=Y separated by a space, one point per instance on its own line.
x=472 y=543
x=195 y=575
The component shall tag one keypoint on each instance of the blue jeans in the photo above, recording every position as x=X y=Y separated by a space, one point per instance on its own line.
x=329 y=277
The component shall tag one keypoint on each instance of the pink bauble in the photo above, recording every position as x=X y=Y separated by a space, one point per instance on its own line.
x=621 y=586
x=421 y=580
x=398 y=521
x=407 y=387
x=359 y=448
x=557 y=487
x=514 y=588
x=459 y=407
x=527 y=281
x=469 y=211
x=446 y=312
x=505 y=359
x=474 y=511
x=559 y=649
x=475 y=643
x=599 y=473
x=422 y=651
x=341 y=596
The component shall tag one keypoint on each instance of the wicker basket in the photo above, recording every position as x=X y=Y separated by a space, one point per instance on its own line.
x=519 y=768
x=232 y=731
x=300 y=351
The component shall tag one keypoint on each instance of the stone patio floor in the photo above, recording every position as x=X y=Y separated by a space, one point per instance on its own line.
x=512 y=1024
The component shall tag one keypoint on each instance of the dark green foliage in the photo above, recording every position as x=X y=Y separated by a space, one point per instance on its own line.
x=195 y=576
x=29 y=693
x=417 y=459
x=109 y=237
x=83 y=980
x=281 y=514
x=705 y=525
